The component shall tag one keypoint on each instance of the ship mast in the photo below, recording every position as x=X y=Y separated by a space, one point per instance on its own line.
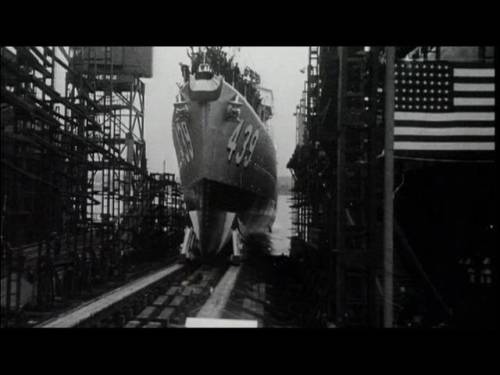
x=245 y=81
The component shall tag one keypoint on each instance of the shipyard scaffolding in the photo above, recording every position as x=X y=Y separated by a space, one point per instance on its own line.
x=115 y=174
x=337 y=181
x=76 y=193
x=444 y=198
x=350 y=273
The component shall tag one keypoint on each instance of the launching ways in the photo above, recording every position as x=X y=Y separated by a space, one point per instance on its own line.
x=188 y=245
x=176 y=296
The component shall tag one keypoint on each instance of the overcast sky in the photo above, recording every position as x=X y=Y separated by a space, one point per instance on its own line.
x=279 y=68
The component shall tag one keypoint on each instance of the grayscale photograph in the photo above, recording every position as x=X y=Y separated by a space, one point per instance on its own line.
x=341 y=187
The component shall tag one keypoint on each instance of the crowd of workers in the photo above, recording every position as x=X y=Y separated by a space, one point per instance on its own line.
x=312 y=167
x=221 y=63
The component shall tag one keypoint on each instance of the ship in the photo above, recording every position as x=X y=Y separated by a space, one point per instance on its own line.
x=227 y=164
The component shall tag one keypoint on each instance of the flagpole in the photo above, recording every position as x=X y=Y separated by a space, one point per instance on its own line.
x=388 y=188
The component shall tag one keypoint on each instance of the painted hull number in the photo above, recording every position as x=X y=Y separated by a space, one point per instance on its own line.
x=185 y=145
x=250 y=138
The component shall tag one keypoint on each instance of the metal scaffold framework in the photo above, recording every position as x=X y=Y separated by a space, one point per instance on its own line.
x=116 y=177
x=353 y=151
x=337 y=179
x=76 y=193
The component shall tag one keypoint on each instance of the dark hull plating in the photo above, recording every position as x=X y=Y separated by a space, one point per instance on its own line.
x=227 y=168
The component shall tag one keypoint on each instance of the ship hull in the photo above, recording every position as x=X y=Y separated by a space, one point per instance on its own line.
x=227 y=166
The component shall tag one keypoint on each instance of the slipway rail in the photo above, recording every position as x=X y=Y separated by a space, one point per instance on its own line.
x=215 y=305
x=101 y=304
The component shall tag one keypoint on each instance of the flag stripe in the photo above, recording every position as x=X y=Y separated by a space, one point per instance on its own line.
x=485 y=155
x=446 y=124
x=463 y=146
x=474 y=101
x=473 y=94
x=461 y=72
x=454 y=116
x=443 y=138
x=445 y=155
x=468 y=108
x=482 y=80
x=474 y=87
x=472 y=65
x=443 y=131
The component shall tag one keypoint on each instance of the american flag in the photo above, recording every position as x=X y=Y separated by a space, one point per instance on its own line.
x=444 y=109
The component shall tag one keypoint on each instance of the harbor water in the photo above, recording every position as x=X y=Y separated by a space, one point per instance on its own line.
x=282 y=228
